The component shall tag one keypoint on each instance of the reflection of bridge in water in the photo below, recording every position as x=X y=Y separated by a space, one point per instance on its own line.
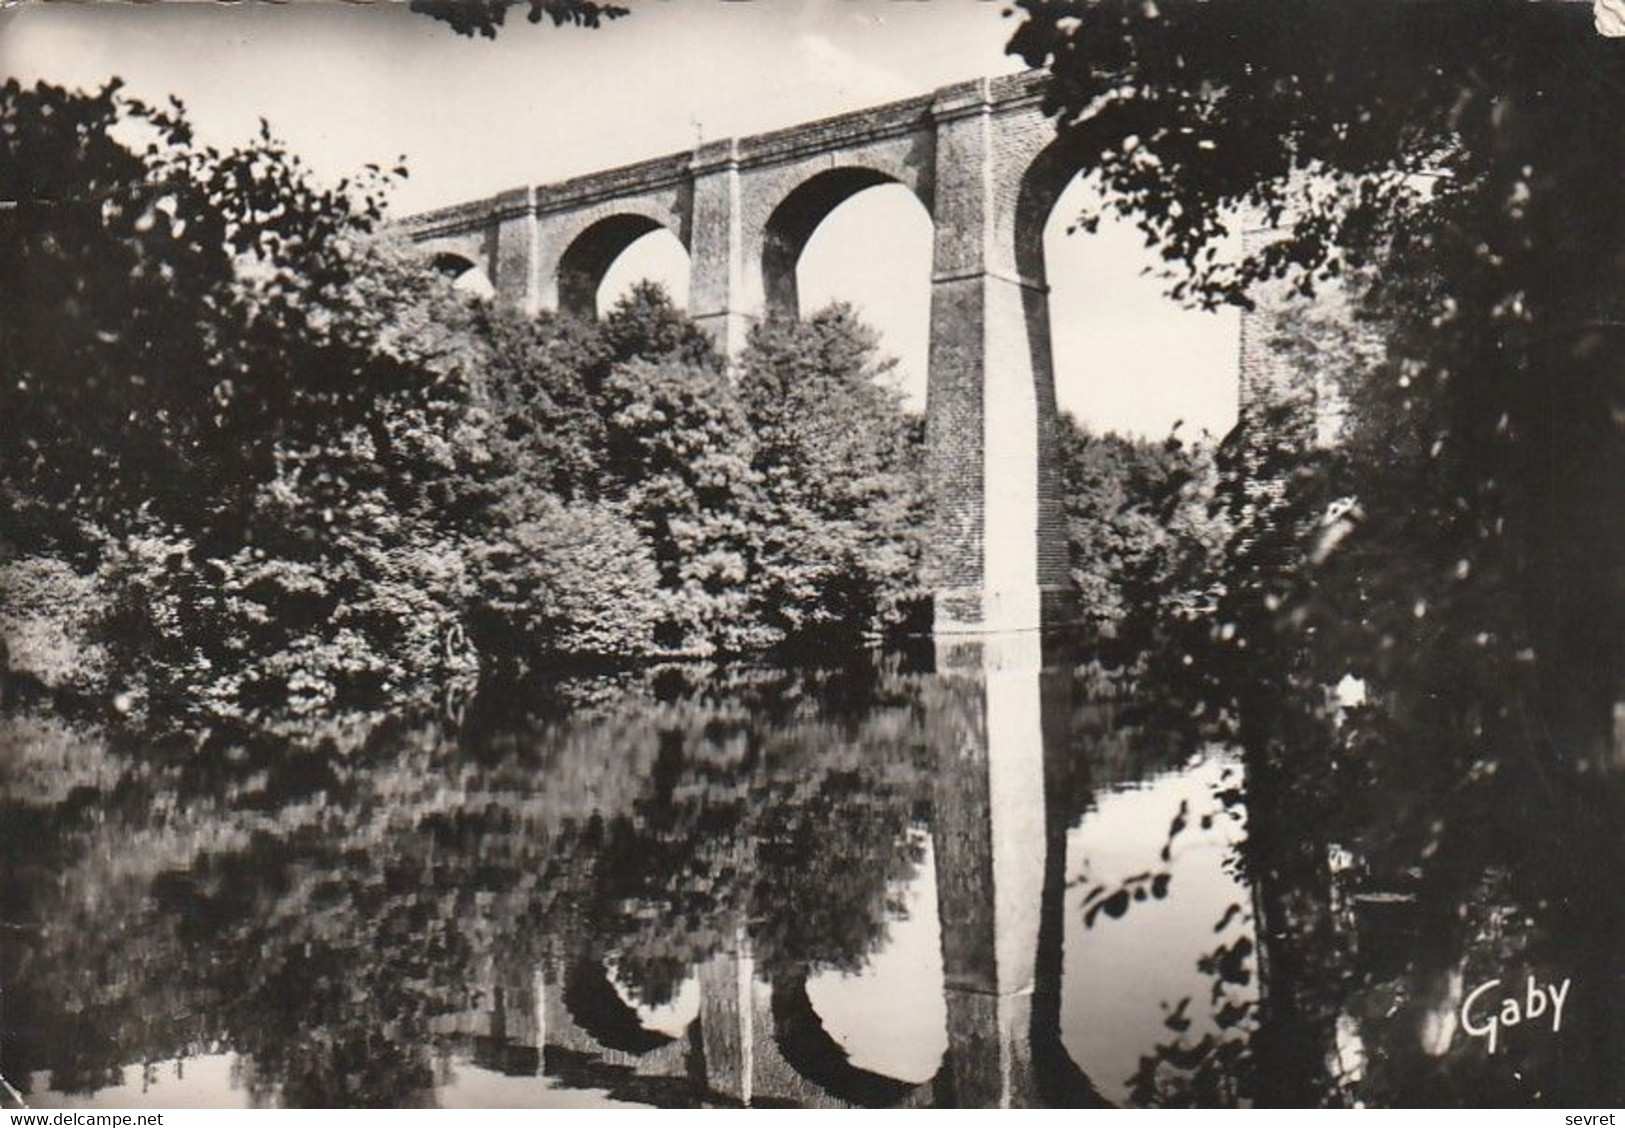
x=999 y=838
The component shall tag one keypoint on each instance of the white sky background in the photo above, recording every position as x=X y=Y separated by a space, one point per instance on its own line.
x=347 y=84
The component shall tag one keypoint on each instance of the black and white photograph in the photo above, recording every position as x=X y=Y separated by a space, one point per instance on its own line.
x=832 y=554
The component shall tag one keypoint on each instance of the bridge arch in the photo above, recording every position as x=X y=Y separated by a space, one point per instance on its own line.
x=1044 y=180
x=451 y=264
x=465 y=274
x=590 y=252
x=1125 y=356
x=454 y=255
x=797 y=215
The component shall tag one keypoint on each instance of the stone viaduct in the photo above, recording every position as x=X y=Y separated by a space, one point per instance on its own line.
x=985 y=162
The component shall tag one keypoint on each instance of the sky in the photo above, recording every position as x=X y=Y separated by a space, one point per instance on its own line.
x=345 y=84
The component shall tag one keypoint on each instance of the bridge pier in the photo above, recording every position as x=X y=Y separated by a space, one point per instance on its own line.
x=999 y=836
x=515 y=252
x=729 y=1028
x=999 y=543
x=720 y=297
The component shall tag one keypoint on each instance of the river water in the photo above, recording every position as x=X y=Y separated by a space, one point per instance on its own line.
x=975 y=884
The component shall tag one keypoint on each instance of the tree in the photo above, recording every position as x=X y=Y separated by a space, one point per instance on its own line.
x=570 y=581
x=543 y=377
x=645 y=325
x=337 y=579
x=840 y=465
x=1142 y=531
x=1446 y=165
x=486 y=17
x=679 y=458
x=196 y=298
x=216 y=408
x=1462 y=150
x=288 y=472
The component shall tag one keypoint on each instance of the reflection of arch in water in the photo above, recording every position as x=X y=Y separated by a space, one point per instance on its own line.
x=674 y=1017
x=1109 y=966
x=1001 y=804
x=591 y=1038
x=599 y=1011
x=751 y=1043
x=1061 y=1082
x=889 y=1014
x=807 y=1048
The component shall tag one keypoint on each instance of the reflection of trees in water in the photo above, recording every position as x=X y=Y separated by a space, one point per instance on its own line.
x=323 y=913
x=800 y=831
x=1436 y=836
x=317 y=912
x=1205 y=1058
x=1375 y=915
x=1395 y=863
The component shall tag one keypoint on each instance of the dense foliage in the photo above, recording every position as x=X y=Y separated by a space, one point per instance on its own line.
x=1451 y=171
x=266 y=465
x=1144 y=528
x=486 y=17
x=1453 y=165
x=840 y=466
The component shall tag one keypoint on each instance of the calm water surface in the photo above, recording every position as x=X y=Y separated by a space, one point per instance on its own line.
x=981 y=886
